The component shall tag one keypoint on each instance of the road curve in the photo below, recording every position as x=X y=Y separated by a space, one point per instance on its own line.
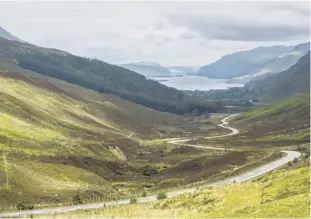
x=290 y=156
x=223 y=124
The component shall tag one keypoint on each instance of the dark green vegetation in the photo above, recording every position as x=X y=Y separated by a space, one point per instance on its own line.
x=242 y=63
x=295 y=80
x=100 y=76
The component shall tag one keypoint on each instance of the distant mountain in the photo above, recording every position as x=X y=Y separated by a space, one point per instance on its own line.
x=99 y=76
x=243 y=63
x=148 y=69
x=280 y=64
x=294 y=80
x=183 y=70
x=5 y=34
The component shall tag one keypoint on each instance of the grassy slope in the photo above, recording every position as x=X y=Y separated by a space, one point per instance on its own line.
x=281 y=194
x=41 y=122
x=280 y=124
x=49 y=128
x=285 y=120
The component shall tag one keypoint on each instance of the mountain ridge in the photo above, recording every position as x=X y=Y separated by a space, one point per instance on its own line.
x=5 y=34
x=277 y=65
x=98 y=75
x=242 y=62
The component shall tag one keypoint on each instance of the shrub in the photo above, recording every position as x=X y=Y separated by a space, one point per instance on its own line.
x=144 y=194
x=77 y=199
x=161 y=195
x=25 y=206
x=289 y=164
x=133 y=201
x=149 y=170
x=295 y=160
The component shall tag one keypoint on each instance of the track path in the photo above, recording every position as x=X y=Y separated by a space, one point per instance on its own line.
x=290 y=156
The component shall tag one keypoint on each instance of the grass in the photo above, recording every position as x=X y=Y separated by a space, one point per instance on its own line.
x=280 y=194
x=48 y=126
x=276 y=126
x=59 y=138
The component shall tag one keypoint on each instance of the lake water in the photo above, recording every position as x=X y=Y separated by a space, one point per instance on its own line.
x=195 y=83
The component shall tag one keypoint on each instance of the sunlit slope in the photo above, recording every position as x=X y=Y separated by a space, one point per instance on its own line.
x=57 y=138
x=54 y=116
x=284 y=120
x=281 y=194
x=278 y=125
x=49 y=128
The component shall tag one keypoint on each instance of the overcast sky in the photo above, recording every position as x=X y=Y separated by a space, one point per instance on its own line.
x=171 y=33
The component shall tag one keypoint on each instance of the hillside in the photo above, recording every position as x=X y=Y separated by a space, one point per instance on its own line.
x=50 y=129
x=148 y=69
x=287 y=119
x=97 y=75
x=281 y=194
x=57 y=139
x=293 y=81
x=281 y=124
x=242 y=63
x=280 y=64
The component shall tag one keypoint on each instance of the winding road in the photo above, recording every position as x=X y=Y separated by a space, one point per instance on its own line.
x=290 y=156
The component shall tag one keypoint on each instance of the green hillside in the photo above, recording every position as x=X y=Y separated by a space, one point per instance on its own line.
x=100 y=76
x=57 y=139
x=281 y=194
x=281 y=124
x=287 y=119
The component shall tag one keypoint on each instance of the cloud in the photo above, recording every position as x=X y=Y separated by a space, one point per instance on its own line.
x=244 y=21
x=230 y=30
x=170 y=33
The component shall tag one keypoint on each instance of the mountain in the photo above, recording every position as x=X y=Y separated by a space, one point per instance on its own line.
x=100 y=76
x=60 y=139
x=293 y=81
x=243 y=62
x=148 y=69
x=5 y=34
x=280 y=64
x=183 y=70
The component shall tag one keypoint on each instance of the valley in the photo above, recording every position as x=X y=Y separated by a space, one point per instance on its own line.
x=250 y=174
x=50 y=128
x=201 y=116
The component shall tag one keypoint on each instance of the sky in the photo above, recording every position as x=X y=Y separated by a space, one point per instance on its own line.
x=168 y=33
